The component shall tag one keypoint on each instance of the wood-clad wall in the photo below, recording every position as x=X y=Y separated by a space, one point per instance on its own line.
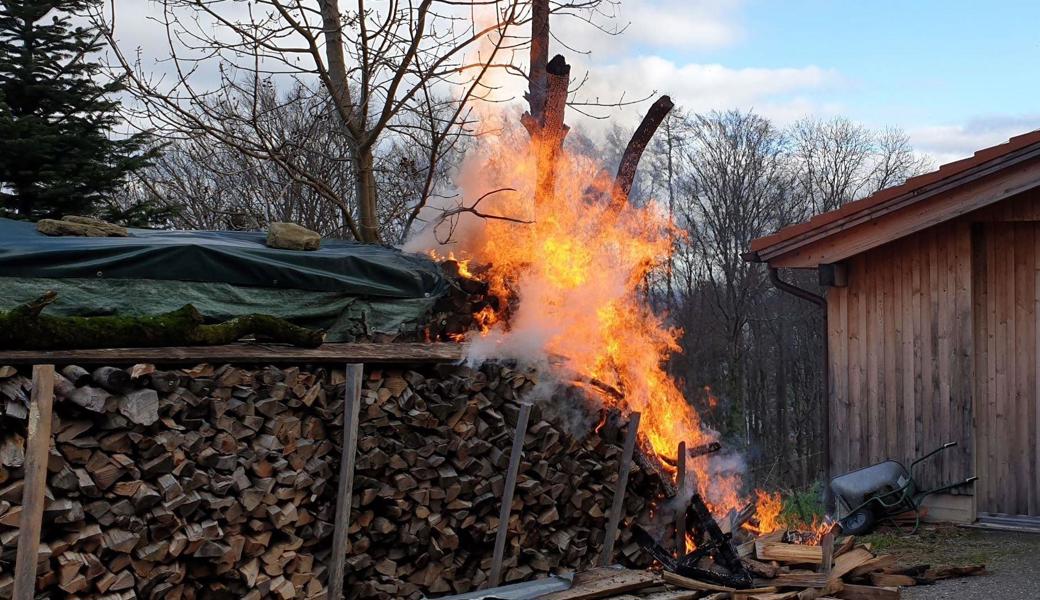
x=1007 y=292
x=901 y=354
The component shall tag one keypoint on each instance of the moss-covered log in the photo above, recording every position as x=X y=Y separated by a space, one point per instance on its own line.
x=26 y=328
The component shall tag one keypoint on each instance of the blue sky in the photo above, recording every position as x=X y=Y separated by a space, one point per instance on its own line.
x=956 y=75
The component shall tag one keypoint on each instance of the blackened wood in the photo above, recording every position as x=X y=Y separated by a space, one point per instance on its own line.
x=537 y=78
x=626 y=172
x=619 y=490
x=351 y=409
x=507 y=495
x=35 y=486
x=680 y=514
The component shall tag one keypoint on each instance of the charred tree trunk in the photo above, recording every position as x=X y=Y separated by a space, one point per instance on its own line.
x=626 y=173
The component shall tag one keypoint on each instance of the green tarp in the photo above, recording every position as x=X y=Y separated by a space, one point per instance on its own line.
x=234 y=257
x=350 y=290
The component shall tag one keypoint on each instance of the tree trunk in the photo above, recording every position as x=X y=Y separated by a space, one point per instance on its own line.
x=365 y=186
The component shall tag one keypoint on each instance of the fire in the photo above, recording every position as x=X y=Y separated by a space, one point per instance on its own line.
x=768 y=508
x=767 y=513
x=568 y=270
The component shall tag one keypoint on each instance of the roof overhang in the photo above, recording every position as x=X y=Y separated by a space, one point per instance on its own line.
x=954 y=190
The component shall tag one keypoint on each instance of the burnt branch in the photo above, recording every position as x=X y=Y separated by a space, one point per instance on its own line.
x=626 y=172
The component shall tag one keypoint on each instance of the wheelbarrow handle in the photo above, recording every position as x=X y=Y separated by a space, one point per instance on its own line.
x=945 y=446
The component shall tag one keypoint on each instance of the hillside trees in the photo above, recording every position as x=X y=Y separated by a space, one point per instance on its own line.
x=58 y=112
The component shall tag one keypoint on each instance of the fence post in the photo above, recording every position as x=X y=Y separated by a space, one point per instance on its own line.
x=619 y=490
x=495 y=578
x=344 y=493
x=37 y=449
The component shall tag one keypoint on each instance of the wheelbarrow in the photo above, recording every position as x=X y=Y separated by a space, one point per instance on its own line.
x=858 y=500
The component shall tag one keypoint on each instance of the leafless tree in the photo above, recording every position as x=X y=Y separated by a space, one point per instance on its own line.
x=381 y=67
x=838 y=161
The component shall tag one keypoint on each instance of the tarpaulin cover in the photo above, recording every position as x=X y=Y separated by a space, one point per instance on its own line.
x=231 y=257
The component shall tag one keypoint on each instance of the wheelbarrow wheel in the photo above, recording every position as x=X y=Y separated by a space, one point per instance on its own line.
x=860 y=522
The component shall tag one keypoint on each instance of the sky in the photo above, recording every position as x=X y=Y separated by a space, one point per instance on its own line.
x=956 y=75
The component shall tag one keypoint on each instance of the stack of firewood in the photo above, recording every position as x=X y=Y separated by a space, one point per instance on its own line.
x=220 y=483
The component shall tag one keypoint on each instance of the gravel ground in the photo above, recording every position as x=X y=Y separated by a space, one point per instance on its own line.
x=1012 y=559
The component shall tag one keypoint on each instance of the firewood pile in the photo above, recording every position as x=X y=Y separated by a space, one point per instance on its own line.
x=782 y=571
x=219 y=482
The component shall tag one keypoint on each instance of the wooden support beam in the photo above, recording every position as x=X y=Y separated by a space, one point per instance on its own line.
x=351 y=412
x=680 y=514
x=408 y=353
x=827 y=543
x=37 y=450
x=619 y=490
x=515 y=454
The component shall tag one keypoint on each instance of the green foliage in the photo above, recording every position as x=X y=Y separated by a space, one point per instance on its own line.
x=805 y=505
x=58 y=111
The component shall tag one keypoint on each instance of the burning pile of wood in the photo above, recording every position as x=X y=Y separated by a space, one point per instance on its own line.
x=220 y=482
x=839 y=569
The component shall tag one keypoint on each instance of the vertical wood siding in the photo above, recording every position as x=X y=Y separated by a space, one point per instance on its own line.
x=1007 y=301
x=902 y=367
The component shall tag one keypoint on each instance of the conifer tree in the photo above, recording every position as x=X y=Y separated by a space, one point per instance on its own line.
x=59 y=151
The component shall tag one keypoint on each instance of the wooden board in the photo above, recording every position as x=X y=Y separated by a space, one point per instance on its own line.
x=604 y=582
x=245 y=353
x=37 y=450
x=789 y=553
x=867 y=592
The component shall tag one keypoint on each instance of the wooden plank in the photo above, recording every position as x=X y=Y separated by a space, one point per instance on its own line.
x=345 y=490
x=906 y=317
x=989 y=471
x=944 y=298
x=693 y=584
x=890 y=403
x=604 y=582
x=827 y=543
x=515 y=454
x=915 y=424
x=867 y=592
x=933 y=432
x=1034 y=420
x=850 y=560
x=840 y=341
x=617 y=504
x=965 y=369
x=246 y=353
x=37 y=450
x=1003 y=275
x=857 y=362
x=789 y=553
x=878 y=563
x=680 y=486
x=980 y=337
x=874 y=365
x=1023 y=247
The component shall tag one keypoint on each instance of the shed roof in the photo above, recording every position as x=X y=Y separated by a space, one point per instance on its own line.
x=990 y=175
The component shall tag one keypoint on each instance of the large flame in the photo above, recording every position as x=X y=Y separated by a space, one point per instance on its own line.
x=769 y=519
x=571 y=272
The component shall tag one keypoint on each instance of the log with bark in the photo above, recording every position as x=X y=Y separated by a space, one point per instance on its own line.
x=218 y=482
x=26 y=328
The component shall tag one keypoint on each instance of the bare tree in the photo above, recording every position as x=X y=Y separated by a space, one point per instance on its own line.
x=838 y=161
x=380 y=66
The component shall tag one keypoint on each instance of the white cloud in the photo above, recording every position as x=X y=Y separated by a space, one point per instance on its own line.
x=950 y=142
x=783 y=94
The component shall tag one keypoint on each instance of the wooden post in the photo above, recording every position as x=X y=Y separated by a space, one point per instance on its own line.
x=351 y=411
x=828 y=553
x=619 y=490
x=37 y=449
x=495 y=578
x=680 y=513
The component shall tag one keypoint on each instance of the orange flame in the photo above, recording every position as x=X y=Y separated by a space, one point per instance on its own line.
x=768 y=508
x=571 y=269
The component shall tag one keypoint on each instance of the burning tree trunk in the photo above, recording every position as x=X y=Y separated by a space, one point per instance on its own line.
x=547 y=97
x=626 y=172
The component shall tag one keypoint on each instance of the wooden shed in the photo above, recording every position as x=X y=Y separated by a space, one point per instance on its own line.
x=933 y=326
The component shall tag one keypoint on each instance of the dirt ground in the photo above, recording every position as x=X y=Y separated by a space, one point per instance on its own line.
x=1012 y=559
